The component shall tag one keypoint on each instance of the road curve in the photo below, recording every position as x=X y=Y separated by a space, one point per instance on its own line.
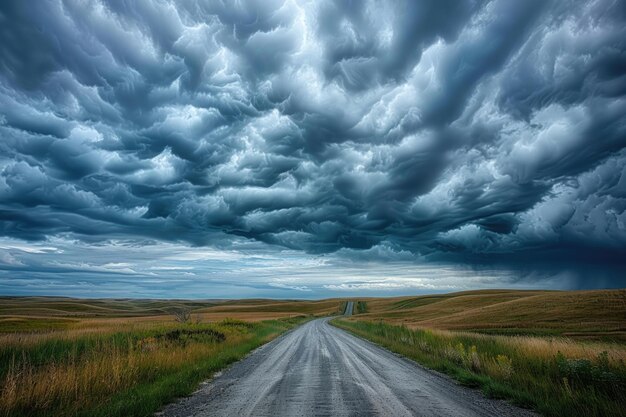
x=319 y=370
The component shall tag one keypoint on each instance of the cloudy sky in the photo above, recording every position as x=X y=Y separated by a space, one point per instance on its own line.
x=304 y=149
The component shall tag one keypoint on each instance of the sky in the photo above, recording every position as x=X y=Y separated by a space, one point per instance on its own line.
x=310 y=149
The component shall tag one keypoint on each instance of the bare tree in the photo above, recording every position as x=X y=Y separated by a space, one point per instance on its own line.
x=182 y=314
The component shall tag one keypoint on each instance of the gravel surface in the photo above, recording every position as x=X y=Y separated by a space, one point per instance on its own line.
x=319 y=370
x=349 y=307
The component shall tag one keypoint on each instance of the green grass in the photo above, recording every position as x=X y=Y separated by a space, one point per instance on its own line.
x=342 y=307
x=361 y=307
x=121 y=373
x=559 y=377
x=17 y=325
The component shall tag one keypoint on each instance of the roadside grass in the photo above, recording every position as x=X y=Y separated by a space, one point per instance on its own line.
x=361 y=307
x=342 y=307
x=555 y=376
x=120 y=371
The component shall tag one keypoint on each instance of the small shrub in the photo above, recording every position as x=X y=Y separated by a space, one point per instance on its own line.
x=228 y=322
x=361 y=307
x=467 y=358
x=182 y=315
x=504 y=367
x=474 y=359
x=183 y=336
x=584 y=372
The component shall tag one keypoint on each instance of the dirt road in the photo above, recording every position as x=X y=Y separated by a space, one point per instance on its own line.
x=319 y=370
x=349 y=307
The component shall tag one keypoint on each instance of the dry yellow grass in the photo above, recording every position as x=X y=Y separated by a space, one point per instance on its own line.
x=146 y=361
x=70 y=310
x=544 y=347
x=320 y=307
x=21 y=320
x=582 y=314
x=84 y=382
x=100 y=326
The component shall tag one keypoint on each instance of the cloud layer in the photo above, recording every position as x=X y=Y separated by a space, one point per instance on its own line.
x=434 y=130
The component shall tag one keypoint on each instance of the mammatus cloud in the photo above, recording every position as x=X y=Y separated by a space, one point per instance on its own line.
x=447 y=131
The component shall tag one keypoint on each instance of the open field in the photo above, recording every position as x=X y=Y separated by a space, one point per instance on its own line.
x=126 y=357
x=560 y=353
x=578 y=314
x=86 y=308
x=45 y=314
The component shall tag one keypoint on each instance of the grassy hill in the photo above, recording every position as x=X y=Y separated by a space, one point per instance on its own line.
x=41 y=314
x=581 y=314
x=588 y=314
x=74 y=307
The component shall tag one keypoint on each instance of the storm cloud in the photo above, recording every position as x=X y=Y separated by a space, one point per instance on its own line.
x=427 y=131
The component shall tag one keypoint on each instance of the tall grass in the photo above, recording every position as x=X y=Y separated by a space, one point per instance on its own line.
x=557 y=377
x=128 y=372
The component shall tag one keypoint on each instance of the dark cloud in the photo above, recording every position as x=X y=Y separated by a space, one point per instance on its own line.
x=438 y=130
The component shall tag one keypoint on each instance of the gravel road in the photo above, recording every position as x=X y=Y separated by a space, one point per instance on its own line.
x=319 y=370
x=349 y=307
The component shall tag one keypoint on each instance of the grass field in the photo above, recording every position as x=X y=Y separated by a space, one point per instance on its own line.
x=560 y=353
x=576 y=314
x=107 y=308
x=66 y=357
